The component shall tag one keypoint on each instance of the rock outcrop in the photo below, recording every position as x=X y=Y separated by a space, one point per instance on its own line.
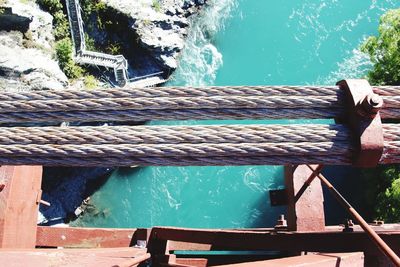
x=161 y=25
x=26 y=61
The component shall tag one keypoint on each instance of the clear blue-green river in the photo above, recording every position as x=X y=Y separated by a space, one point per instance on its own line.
x=239 y=42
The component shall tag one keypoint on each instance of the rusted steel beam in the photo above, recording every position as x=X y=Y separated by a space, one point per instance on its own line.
x=314 y=260
x=69 y=257
x=305 y=199
x=19 y=204
x=370 y=232
x=75 y=237
x=331 y=241
x=363 y=107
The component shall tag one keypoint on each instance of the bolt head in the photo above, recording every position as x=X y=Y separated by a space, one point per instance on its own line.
x=370 y=106
x=375 y=100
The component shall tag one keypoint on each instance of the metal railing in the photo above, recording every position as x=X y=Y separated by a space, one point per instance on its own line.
x=117 y=62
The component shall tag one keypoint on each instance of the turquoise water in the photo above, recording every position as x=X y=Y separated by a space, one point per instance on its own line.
x=241 y=43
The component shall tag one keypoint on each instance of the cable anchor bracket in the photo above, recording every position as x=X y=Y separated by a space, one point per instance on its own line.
x=364 y=120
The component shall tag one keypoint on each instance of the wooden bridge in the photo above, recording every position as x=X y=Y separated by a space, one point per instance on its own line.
x=366 y=134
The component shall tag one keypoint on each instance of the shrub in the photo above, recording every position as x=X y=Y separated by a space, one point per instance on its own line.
x=384 y=50
x=114 y=48
x=90 y=82
x=51 y=6
x=156 y=5
x=65 y=59
x=382 y=185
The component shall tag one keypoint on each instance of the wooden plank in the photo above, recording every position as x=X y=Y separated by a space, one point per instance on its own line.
x=76 y=237
x=18 y=205
x=307 y=213
x=197 y=262
x=332 y=241
x=69 y=257
x=310 y=260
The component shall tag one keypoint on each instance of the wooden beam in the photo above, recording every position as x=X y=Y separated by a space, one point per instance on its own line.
x=19 y=204
x=75 y=237
x=71 y=257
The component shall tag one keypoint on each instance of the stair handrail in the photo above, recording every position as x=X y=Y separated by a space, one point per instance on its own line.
x=81 y=52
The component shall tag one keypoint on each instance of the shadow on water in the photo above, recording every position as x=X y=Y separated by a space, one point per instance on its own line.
x=268 y=214
x=349 y=182
x=128 y=172
x=267 y=217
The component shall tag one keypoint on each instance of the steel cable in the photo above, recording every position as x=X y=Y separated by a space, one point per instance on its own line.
x=127 y=92
x=176 y=134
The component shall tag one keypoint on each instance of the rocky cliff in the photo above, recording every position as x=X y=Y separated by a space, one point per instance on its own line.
x=161 y=25
x=26 y=40
x=150 y=33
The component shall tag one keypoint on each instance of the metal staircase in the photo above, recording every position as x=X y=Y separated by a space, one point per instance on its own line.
x=117 y=62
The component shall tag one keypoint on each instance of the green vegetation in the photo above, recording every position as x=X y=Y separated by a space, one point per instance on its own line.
x=97 y=15
x=384 y=50
x=90 y=82
x=156 y=5
x=65 y=59
x=96 y=8
x=382 y=184
x=90 y=43
x=64 y=49
x=114 y=49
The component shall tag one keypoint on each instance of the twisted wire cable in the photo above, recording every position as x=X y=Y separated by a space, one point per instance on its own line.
x=212 y=102
x=128 y=92
x=177 y=150
x=177 y=134
x=245 y=102
x=186 y=145
x=175 y=161
x=171 y=114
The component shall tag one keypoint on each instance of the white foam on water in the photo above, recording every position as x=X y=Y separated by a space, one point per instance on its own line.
x=200 y=59
x=354 y=66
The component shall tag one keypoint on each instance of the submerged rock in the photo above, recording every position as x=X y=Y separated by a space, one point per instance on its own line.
x=65 y=189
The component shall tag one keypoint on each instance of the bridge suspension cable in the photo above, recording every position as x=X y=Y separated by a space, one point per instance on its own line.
x=256 y=144
x=186 y=145
x=182 y=103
